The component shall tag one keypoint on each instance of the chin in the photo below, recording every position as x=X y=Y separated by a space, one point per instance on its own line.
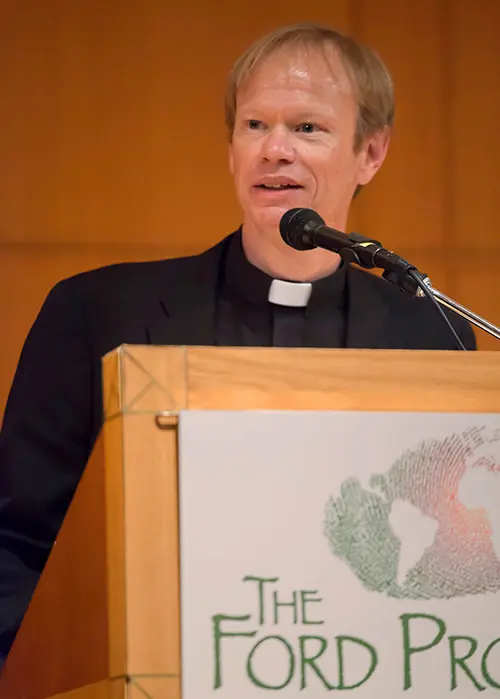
x=269 y=218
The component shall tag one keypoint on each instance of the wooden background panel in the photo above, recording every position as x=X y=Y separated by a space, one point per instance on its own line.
x=115 y=122
x=473 y=59
x=338 y=14
x=404 y=205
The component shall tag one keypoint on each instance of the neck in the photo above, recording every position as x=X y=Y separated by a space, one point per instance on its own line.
x=270 y=254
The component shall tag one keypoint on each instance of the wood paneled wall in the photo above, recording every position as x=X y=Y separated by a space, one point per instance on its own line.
x=112 y=142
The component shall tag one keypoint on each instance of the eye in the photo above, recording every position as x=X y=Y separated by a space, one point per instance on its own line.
x=308 y=127
x=254 y=124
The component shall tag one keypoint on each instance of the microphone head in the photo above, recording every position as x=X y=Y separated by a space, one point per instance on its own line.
x=296 y=226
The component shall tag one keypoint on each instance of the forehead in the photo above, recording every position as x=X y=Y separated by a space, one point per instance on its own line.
x=301 y=71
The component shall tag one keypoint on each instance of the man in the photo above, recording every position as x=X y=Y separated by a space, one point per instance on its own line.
x=309 y=114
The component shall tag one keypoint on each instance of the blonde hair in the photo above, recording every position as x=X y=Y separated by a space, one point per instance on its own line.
x=368 y=75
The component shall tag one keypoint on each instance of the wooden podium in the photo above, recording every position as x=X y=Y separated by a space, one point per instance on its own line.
x=104 y=622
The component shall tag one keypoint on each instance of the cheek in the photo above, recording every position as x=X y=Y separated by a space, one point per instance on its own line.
x=239 y=159
x=341 y=164
x=239 y=171
x=324 y=166
x=320 y=157
x=244 y=163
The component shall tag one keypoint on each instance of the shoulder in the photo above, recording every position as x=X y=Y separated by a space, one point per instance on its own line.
x=144 y=272
x=415 y=316
x=380 y=288
x=136 y=278
x=112 y=301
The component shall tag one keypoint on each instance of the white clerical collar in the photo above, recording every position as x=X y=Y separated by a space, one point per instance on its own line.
x=296 y=294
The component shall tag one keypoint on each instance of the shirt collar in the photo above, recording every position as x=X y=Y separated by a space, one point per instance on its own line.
x=243 y=280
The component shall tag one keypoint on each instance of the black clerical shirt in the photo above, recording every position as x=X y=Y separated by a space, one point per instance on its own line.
x=246 y=316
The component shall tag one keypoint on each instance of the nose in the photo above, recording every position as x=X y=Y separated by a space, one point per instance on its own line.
x=277 y=146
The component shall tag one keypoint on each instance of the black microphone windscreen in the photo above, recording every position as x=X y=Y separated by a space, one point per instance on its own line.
x=295 y=225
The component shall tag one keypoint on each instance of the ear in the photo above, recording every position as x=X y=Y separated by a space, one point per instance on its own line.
x=231 y=158
x=372 y=155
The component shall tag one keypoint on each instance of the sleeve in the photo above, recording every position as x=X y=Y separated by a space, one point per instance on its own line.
x=461 y=326
x=468 y=337
x=45 y=442
x=463 y=329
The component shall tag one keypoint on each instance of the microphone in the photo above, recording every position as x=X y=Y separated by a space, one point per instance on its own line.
x=304 y=229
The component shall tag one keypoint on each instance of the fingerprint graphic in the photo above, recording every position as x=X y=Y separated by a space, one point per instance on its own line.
x=457 y=530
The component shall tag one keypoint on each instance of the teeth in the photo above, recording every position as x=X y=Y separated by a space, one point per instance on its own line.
x=277 y=186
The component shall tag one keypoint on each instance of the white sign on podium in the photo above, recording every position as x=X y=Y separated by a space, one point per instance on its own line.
x=340 y=551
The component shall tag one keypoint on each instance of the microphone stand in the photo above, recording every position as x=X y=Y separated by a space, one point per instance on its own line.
x=460 y=310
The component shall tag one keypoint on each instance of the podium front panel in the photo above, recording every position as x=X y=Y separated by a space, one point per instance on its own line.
x=339 y=551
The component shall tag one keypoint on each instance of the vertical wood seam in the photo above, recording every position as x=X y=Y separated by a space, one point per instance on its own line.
x=447 y=148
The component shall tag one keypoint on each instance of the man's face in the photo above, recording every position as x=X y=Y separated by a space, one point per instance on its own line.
x=293 y=140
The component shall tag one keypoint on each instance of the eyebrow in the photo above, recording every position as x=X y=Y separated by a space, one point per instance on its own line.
x=299 y=115
x=312 y=114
